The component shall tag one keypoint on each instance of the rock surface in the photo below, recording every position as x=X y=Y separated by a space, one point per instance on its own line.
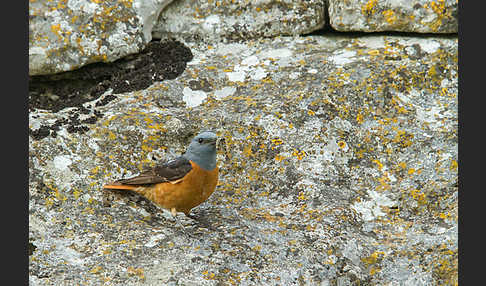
x=65 y=35
x=420 y=16
x=239 y=20
x=338 y=160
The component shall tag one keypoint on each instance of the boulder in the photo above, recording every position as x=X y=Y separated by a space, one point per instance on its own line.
x=65 y=35
x=338 y=159
x=417 y=16
x=238 y=20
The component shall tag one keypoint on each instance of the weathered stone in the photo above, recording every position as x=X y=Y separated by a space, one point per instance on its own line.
x=338 y=164
x=65 y=35
x=421 y=16
x=237 y=20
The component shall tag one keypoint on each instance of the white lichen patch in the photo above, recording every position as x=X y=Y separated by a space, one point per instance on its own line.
x=294 y=75
x=430 y=46
x=276 y=53
x=250 y=61
x=193 y=98
x=258 y=74
x=236 y=76
x=426 y=45
x=372 y=42
x=342 y=57
x=210 y=23
x=154 y=240
x=224 y=92
x=230 y=49
x=330 y=150
x=352 y=251
x=372 y=208
x=430 y=115
x=62 y=162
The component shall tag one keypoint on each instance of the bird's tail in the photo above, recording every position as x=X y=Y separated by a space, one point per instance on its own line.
x=119 y=186
x=147 y=192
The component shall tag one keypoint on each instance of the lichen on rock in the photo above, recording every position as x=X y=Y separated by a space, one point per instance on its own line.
x=339 y=165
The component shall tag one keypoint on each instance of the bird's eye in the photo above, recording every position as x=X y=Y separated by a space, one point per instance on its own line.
x=200 y=140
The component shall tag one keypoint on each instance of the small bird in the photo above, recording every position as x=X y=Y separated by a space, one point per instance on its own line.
x=180 y=184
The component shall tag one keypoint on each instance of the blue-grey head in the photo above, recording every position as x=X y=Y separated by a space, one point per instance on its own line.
x=202 y=150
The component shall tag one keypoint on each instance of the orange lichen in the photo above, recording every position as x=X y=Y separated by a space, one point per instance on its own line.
x=369 y=7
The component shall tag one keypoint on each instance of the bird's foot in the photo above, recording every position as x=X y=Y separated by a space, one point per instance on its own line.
x=192 y=216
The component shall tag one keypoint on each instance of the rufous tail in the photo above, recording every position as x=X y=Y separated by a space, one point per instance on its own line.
x=115 y=186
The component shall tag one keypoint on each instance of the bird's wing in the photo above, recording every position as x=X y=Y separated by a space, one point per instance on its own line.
x=172 y=171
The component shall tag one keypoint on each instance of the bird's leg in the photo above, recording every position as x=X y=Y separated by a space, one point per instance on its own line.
x=173 y=211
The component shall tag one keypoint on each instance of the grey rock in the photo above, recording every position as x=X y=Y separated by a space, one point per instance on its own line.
x=238 y=20
x=338 y=167
x=65 y=35
x=420 y=16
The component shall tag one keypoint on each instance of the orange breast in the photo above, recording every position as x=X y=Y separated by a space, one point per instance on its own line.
x=194 y=189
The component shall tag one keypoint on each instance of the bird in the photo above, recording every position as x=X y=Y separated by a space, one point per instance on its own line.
x=180 y=184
